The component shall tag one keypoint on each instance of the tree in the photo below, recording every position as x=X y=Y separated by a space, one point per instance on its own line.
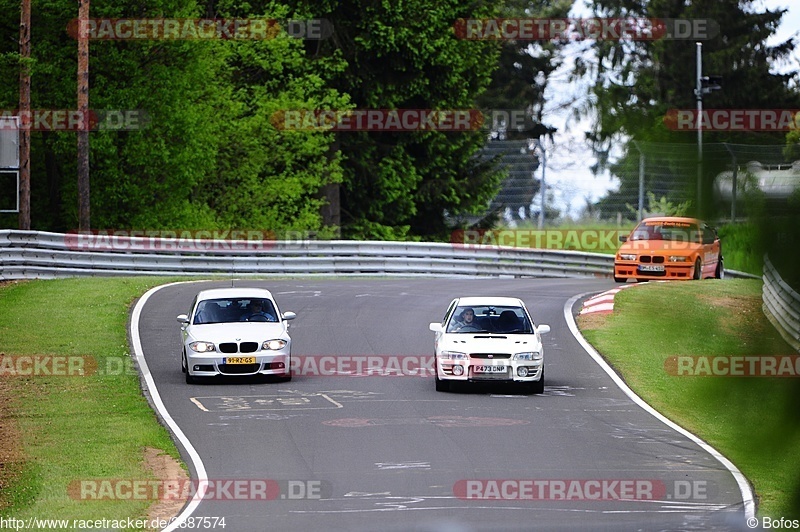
x=404 y=183
x=207 y=156
x=525 y=67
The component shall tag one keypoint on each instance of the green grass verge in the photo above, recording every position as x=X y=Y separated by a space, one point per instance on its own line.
x=74 y=427
x=742 y=247
x=754 y=422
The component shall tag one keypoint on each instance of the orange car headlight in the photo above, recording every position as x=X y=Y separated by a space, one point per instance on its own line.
x=677 y=258
x=625 y=256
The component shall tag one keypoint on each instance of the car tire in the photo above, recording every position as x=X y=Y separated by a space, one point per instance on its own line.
x=720 y=273
x=288 y=377
x=441 y=386
x=185 y=369
x=698 y=270
x=538 y=386
x=620 y=279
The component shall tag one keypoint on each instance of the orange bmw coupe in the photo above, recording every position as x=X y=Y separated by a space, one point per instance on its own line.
x=669 y=247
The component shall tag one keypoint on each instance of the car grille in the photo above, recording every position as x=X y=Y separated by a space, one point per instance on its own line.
x=662 y=273
x=490 y=355
x=248 y=347
x=244 y=347
x=238 y=369
x=656 y=259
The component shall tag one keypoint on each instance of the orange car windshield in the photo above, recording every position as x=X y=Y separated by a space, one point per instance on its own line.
x=673 y=231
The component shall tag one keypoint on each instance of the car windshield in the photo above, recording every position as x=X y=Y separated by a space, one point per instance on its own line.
x=674 y=231
x=488 y=318
x=231 y=310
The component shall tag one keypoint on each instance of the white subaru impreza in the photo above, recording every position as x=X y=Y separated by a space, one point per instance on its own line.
x=489 y=339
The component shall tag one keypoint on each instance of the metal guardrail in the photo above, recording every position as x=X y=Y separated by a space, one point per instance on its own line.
x=42 y=255
x=36 y=255
x=781 y=305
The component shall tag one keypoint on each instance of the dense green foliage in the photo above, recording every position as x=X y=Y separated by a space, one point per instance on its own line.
x=211 y=155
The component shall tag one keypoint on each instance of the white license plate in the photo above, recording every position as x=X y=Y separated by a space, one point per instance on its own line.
x=489 y=369
x=651 y=268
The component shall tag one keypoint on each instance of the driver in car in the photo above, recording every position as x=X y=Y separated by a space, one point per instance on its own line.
x=255 y=310
x=466 y=319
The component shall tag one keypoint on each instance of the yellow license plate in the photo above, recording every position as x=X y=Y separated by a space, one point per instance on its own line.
x=239 y=360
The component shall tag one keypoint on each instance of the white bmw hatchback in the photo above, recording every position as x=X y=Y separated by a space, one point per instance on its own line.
x=235 y=331
x=489 y=339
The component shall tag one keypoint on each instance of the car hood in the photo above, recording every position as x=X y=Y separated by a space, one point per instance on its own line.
x=666 y=246
x=490 y=342
x=238 y=332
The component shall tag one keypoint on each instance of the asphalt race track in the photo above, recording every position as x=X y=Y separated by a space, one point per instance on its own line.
x=362 y=453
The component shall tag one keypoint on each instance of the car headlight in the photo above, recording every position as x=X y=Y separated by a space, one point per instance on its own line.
x=627 y=256
x=274 y=345
x=202 y=347
x=677 y=258
x=531 y=355
x=453 y=355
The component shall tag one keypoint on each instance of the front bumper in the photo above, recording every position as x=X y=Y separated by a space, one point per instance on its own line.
x=671 y=270
x=214 y=364
x=471 y=370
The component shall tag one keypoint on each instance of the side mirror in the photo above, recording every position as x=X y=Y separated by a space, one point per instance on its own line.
x=542 y=329
x=435 y=327
x=623 y=238
x=183 y=318
x=289 y=315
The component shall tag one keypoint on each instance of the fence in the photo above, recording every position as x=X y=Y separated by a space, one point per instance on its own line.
x=670 y=171
x=781 y=305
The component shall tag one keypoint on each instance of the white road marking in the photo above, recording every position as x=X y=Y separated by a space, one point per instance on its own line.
x=382 y=466
x=199 y=404
x=150 y=388
x=250 y=403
